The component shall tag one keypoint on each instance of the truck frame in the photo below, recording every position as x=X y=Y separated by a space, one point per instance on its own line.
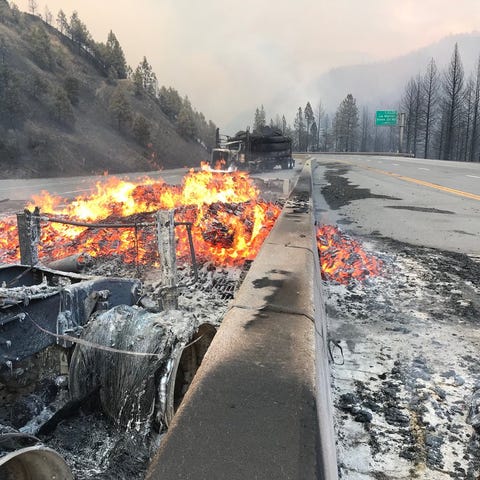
x=253 y=152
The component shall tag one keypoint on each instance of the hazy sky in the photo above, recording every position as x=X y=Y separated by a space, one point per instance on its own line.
x=230 y=57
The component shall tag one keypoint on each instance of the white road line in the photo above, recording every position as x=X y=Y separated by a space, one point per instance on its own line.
x=421 y=168
x=77 y=191
x=396 y=164
x=472 y=176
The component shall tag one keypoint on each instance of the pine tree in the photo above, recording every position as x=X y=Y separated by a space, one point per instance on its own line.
x=475 y=115
x=16 y=14
x=453 y=83
x=48 y=15
x=72 y=88
x=430 y=86
x=365 y=135
x=62 y=108
x=62 y=22
x=41 y=48
x=326 y=139
x=466 y=121
x=186 y=122
x=170 y=102
x=259 y=120
x=78 y=31
x=320 y=113
x=141 y=130
x=114 y=56
x=32 y=6
x=10 y=105
x=145 y=79
x=314 y=136
x=137 y=82
x=309 y=118
x=346 y=125
x=120 y=109
x=299 y=131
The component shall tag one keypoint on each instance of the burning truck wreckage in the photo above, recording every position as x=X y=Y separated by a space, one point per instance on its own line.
x=79 y=330
x=108 y=304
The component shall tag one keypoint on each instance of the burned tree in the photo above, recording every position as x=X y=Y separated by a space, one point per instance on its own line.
x=411 y=104
x=474 y=132
x=453 y=86
x=430 y=84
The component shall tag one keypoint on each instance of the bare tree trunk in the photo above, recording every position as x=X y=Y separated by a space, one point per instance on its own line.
x=453 y=86
x=476 y=101
x=430 y=86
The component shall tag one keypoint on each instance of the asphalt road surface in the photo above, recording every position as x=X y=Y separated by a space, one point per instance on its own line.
x=71 y=187
x=424 y=202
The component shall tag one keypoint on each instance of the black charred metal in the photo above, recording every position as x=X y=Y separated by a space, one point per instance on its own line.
x=58 y=302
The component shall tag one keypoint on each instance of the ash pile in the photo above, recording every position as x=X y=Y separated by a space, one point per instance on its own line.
x=405 y=373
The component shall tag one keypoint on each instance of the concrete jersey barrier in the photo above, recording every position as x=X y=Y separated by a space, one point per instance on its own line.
x=251 y=411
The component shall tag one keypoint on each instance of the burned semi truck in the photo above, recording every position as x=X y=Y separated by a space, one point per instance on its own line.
x=71 y=341
x=255 y=151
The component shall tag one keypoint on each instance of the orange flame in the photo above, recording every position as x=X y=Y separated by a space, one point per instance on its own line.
x=229 y=222
x=343 y=258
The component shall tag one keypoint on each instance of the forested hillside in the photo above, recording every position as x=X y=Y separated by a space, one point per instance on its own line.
x=70 y=105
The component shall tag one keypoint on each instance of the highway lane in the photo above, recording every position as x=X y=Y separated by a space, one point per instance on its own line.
x=458 y=175
x=423 y=202
x=71 y=187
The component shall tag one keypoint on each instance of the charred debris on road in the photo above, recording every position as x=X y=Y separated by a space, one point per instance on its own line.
x=405 y=367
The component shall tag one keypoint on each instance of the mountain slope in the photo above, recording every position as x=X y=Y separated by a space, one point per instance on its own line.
x=60 y=116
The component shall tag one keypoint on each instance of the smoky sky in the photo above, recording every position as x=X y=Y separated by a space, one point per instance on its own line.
x=230 y=57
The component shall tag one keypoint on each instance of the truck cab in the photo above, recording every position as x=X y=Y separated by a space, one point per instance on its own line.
x=229 y=158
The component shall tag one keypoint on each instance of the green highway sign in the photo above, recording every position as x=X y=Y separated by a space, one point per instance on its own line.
x=386 y=117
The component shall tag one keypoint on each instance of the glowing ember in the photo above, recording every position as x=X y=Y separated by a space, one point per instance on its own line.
x=343 y=258
x=229 y=222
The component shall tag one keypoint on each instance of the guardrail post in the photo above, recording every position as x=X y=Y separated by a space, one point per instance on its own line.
x=168 y=259
x=28 y=224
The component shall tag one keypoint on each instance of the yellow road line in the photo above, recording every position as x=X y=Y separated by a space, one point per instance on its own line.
x=461 y=193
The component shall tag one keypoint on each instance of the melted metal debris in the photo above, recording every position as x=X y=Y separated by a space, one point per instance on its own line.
x=406 y=381
x=92 y=445
x=24 y=294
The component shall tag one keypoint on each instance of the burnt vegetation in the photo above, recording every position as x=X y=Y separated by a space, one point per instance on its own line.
x=70 y=105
